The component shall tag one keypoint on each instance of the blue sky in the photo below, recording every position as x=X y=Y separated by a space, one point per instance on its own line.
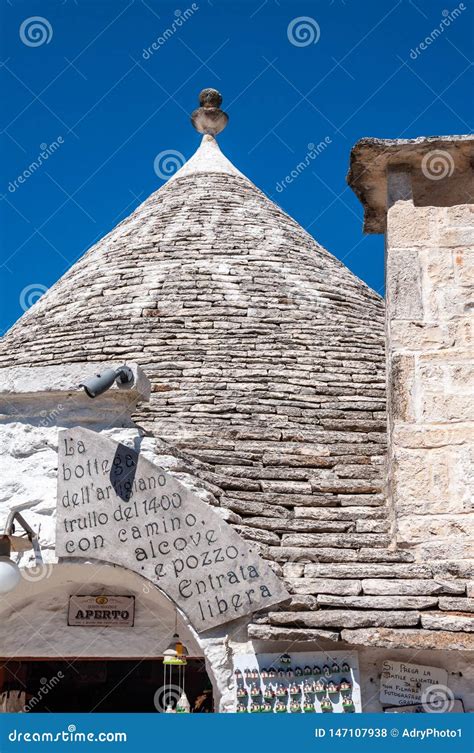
x=78 y=83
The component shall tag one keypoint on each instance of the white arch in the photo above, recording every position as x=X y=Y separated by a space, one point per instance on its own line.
x=33 y=622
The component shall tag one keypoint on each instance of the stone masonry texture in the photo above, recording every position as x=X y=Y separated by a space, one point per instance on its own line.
x=267 y=362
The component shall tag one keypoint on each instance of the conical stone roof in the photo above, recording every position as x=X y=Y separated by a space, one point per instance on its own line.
x=266 y=356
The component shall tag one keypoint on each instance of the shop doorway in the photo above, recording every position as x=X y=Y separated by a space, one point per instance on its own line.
x=109 y=685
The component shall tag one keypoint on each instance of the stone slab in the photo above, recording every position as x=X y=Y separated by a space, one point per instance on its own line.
x=324 y=585
x=369 y=570
x=26 y=380
x=274 y=633
x=115 y=506
x=371 y=157
x=345 y=618
x=456 y=605
x=461 y=623
x=378 y=602
x=416 y=639
x=379 y=586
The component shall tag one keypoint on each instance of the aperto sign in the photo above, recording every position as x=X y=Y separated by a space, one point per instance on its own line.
x=101 y=611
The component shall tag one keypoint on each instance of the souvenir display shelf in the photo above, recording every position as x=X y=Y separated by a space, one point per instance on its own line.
x=295 y=683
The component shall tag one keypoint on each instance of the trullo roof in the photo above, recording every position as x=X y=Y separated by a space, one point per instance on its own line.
x=266 y=356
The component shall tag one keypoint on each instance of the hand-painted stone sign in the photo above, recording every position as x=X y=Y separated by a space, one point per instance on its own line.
x=402 y=684
x=101 y=611
x=116 y=506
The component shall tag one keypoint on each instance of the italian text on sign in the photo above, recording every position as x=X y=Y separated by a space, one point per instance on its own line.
x=101 y=611
x=115 y=506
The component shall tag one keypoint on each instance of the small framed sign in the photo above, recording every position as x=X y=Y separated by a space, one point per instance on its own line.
x=403 y=684
x=101 y=611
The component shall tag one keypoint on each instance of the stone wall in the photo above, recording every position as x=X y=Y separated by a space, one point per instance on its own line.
x=430 y=300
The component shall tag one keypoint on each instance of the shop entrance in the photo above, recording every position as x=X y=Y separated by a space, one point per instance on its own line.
x=108 y=685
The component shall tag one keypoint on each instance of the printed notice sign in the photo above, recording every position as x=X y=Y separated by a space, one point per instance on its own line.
x=403 y=684
x=101 y=611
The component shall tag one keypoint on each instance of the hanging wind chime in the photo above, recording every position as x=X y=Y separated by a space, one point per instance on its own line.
x=174 y=692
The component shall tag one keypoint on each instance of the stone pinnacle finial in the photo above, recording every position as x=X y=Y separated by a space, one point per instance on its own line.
x=209 y=118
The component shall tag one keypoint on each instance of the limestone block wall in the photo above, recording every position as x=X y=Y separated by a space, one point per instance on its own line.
x=430 y=303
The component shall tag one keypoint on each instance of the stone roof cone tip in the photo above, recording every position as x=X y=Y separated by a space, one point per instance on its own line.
x=209 y=119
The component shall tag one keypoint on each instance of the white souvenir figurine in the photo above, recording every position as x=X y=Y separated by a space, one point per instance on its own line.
x=254 y=690
x=281 y=691
x=345 y=686
x=183 y=706
x=348 y=705
x=326 y=705
x=319 y=686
